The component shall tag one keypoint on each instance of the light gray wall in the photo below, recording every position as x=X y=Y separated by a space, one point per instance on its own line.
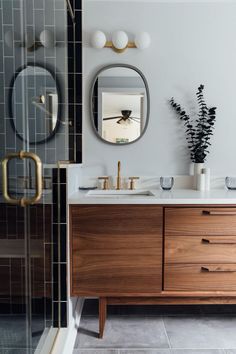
x=192 y=44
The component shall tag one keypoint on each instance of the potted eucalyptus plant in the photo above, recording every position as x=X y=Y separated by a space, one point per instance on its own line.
x=198 y=129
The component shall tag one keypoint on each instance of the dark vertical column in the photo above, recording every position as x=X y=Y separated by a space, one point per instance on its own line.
x=75 y=82
x=60 y=261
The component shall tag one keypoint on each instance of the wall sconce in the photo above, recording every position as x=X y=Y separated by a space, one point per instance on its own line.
x=9 y=39
x=46 y=40
x=120 y=41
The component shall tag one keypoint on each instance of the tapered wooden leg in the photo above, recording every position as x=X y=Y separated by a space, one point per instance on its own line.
x=102 y=315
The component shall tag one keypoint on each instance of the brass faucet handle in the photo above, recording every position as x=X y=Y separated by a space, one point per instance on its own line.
x=132 y=182
x=105 y=180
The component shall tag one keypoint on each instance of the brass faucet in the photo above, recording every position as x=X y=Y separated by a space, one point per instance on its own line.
x=105 y=180
x=118 y=180
x=132 y=182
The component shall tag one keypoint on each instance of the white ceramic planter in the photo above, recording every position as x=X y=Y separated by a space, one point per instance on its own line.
x=197 y=169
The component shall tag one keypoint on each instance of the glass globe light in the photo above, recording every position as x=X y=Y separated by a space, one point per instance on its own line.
x=120 y=40
x=47 y=39
x=9 y=38
x=98 y=40
x=142 y=40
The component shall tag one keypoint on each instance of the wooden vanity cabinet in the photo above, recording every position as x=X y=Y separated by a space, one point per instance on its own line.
x=190 y=221
x=151 y=254
x=200 y=249
x=116 y=250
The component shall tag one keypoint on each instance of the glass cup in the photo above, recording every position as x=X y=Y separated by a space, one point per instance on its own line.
x=230 y=183
x=167 y=183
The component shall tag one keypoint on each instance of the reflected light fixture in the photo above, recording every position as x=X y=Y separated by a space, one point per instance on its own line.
x=9 y=38
x=120 y=41
x=125 y=123
x=29 y=40
x=46 y=40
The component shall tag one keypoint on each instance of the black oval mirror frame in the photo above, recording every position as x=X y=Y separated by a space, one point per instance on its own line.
x=92 y=95
x=10 y=106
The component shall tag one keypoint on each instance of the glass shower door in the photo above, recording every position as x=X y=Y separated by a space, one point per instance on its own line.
x=14 y=277
x=28 y=279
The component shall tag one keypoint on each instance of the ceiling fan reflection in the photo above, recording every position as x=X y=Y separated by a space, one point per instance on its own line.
x=125 y=118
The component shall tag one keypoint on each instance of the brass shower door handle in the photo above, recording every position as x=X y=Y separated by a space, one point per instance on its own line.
x=38 y=178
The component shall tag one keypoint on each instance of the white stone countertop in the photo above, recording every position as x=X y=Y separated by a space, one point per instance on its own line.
x=174 y=197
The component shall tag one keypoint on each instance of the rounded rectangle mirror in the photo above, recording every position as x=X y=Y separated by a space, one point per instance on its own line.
x=120 y=104
x=42 y=102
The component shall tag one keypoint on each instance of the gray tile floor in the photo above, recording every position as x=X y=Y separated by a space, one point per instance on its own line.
x=13 y=336
x=194 y=330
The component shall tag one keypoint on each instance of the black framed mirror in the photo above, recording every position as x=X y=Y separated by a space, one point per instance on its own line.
x=39 y=102
x=119 y=104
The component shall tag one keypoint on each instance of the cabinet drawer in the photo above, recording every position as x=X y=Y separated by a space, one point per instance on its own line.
x=116 y=265
x=198 y=249
x=118 y=275
x=204 y=277
x=200 y=221
x=116 y=250
x=116 y=220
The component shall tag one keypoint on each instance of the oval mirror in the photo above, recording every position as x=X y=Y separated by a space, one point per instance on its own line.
x=120 y=104
x=34 y=94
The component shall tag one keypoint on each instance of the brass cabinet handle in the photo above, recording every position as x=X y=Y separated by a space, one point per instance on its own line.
x=218 y=269
x=218 y=213
x=38 y=178
x=218 y=241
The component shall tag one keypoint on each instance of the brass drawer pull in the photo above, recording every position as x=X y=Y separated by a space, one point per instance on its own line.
x=218 y=242
x=218 y=269
x=218 y=213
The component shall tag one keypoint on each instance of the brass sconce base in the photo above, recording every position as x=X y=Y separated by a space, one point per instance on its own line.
x=110 y=45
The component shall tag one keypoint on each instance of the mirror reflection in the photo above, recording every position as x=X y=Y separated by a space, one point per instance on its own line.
x=120 y=104
x=35 y=96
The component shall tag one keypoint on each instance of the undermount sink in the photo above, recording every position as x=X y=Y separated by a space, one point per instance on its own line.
x=120 y=193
